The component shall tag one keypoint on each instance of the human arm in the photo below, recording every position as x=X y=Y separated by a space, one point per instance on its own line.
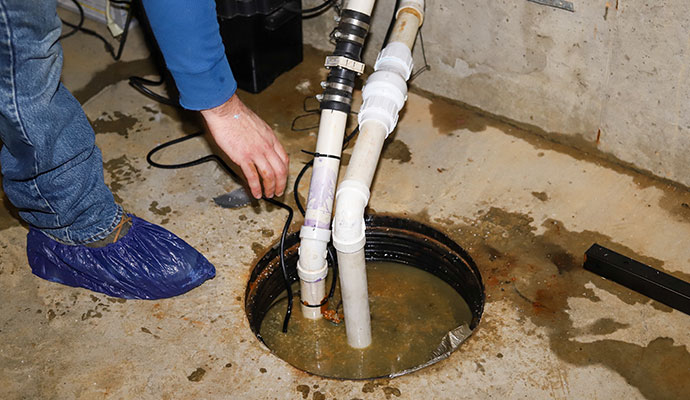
x=188 y=35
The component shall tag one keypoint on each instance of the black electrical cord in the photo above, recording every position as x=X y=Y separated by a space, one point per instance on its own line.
x=391 y=24
x=79 y=25
x=140 y=83
x=310 y=163
x=108 y=47
x=315 y=11
x=226 y=167
x=323 y=6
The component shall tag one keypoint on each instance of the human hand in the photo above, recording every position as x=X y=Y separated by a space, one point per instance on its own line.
x=251 y=144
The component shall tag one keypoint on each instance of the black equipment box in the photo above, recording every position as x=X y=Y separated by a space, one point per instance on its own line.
x=263 y=39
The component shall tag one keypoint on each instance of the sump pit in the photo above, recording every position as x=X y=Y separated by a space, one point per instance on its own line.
x=426 y=297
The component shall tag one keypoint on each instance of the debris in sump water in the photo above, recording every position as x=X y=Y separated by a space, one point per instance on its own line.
x=411 y=312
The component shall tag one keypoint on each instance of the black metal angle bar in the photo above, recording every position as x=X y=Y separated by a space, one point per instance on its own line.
x=639 y=277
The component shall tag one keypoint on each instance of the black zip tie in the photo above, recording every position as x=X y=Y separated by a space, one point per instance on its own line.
x=316 y=155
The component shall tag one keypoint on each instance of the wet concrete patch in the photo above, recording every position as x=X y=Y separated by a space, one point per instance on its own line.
x=396 y=150
x=448 y=117
x=197 y=375
x=540 y=195
x=114 y=73
x=116 y=122
x=538 y=273
x=676 y=201
x=163 y=211
x=122 y=172
x=304 y=389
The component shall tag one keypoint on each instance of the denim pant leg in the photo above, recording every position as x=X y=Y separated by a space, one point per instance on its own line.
x=52 y=169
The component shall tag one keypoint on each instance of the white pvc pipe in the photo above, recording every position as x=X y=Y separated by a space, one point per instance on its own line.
x=363 y=6
x=312 y=266
x=402 y=32
x=366 y=153
x=353 y=286
x=384 y=95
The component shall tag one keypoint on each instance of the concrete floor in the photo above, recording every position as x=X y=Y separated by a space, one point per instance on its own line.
x=525 y=209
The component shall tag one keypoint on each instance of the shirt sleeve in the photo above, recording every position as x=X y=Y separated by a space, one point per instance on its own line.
x=188 y=35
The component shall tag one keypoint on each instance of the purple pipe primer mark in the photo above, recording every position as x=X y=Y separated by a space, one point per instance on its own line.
x=321 y=195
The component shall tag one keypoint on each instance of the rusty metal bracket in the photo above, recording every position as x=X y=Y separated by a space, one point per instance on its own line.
x=562 y=4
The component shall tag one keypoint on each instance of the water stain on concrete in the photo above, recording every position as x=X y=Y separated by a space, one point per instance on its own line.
x=116 y=300
x=91 y=314
x=676 y=201
x=447 y=113
x=153 y=207
x=258 y=249
x=539 y=273
x=396 y=150
x=304 y=389
x=197 y=375
x=389 y=391
x=448 y=117
x=116 y=122
x=112 y=74
x=541 y=195
x=150 y=110
x=319 y=396
x=605 y=326
x=122 y=172
x=277 y=104
x=384 y=384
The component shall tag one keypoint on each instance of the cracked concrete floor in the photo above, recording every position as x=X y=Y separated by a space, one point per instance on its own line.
x=526 y=210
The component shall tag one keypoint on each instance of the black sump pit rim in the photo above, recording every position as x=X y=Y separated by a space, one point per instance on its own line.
x=388 y=239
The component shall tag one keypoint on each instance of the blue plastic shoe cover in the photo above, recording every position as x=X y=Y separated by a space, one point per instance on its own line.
x=148 y=262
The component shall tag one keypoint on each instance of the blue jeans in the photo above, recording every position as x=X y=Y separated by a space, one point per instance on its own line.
x=52 y=169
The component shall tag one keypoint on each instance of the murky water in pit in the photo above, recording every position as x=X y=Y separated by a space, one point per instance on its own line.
x=411 y=311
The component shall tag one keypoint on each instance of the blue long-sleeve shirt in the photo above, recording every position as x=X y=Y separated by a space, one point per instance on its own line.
x=188 y=35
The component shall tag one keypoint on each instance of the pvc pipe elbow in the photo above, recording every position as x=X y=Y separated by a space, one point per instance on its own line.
x=348 y=225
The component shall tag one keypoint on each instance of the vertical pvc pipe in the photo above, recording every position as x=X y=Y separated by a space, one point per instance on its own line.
x=315 y=233
x=353 y=286
x=363 y=6
x=384 y=95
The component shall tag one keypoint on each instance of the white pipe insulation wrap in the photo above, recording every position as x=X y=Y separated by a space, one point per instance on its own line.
x=384 y=95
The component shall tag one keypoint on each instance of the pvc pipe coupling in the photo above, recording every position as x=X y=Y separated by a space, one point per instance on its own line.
x=384 y=95
x=395 y=57
x=312 y=276
x=321 y=235
x=349 y=234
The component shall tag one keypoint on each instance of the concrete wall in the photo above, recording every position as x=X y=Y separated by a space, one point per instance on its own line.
x=616 y=69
